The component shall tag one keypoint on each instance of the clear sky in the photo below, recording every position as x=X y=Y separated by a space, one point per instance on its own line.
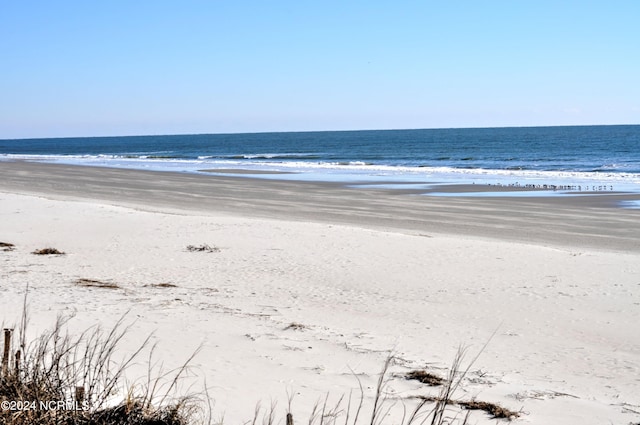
x=123 y=67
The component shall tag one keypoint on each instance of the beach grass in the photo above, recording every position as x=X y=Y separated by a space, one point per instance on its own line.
x=59 y=378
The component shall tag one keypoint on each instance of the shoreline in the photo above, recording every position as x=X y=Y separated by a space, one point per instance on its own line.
x=360 y=273
x=583 y=220
x=242 y=171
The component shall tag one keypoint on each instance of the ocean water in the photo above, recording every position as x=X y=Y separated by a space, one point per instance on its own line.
x=600 y=158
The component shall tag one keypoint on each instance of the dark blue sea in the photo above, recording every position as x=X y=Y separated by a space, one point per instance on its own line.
x=588 y=156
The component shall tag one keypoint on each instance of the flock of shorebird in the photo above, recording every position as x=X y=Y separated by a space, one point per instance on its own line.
x=585 y=188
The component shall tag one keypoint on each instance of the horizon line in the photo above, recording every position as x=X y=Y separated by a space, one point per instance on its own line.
x=320 y=131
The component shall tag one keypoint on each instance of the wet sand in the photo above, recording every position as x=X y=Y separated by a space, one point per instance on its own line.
x=594 y=221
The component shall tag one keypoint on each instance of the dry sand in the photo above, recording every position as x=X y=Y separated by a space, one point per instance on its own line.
x=364 y=271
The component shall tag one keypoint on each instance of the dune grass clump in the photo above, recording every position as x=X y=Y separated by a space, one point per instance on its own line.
x=47 y=251
x=445 y=397
x=61 y=379
x=440 y=409
x=136 y=413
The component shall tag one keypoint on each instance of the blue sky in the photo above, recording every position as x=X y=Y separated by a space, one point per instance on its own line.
x=85 y=68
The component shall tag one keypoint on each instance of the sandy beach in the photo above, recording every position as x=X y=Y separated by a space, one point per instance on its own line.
x=552 y=284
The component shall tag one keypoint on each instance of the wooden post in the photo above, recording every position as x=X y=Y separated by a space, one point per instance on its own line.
x=16 y=369
x=6 y=352
x=79 y=395
x=289 y=419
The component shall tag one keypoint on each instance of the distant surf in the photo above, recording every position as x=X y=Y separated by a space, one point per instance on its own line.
x=585 y=156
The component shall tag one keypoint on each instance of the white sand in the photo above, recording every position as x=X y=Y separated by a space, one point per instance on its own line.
x=566 y=348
